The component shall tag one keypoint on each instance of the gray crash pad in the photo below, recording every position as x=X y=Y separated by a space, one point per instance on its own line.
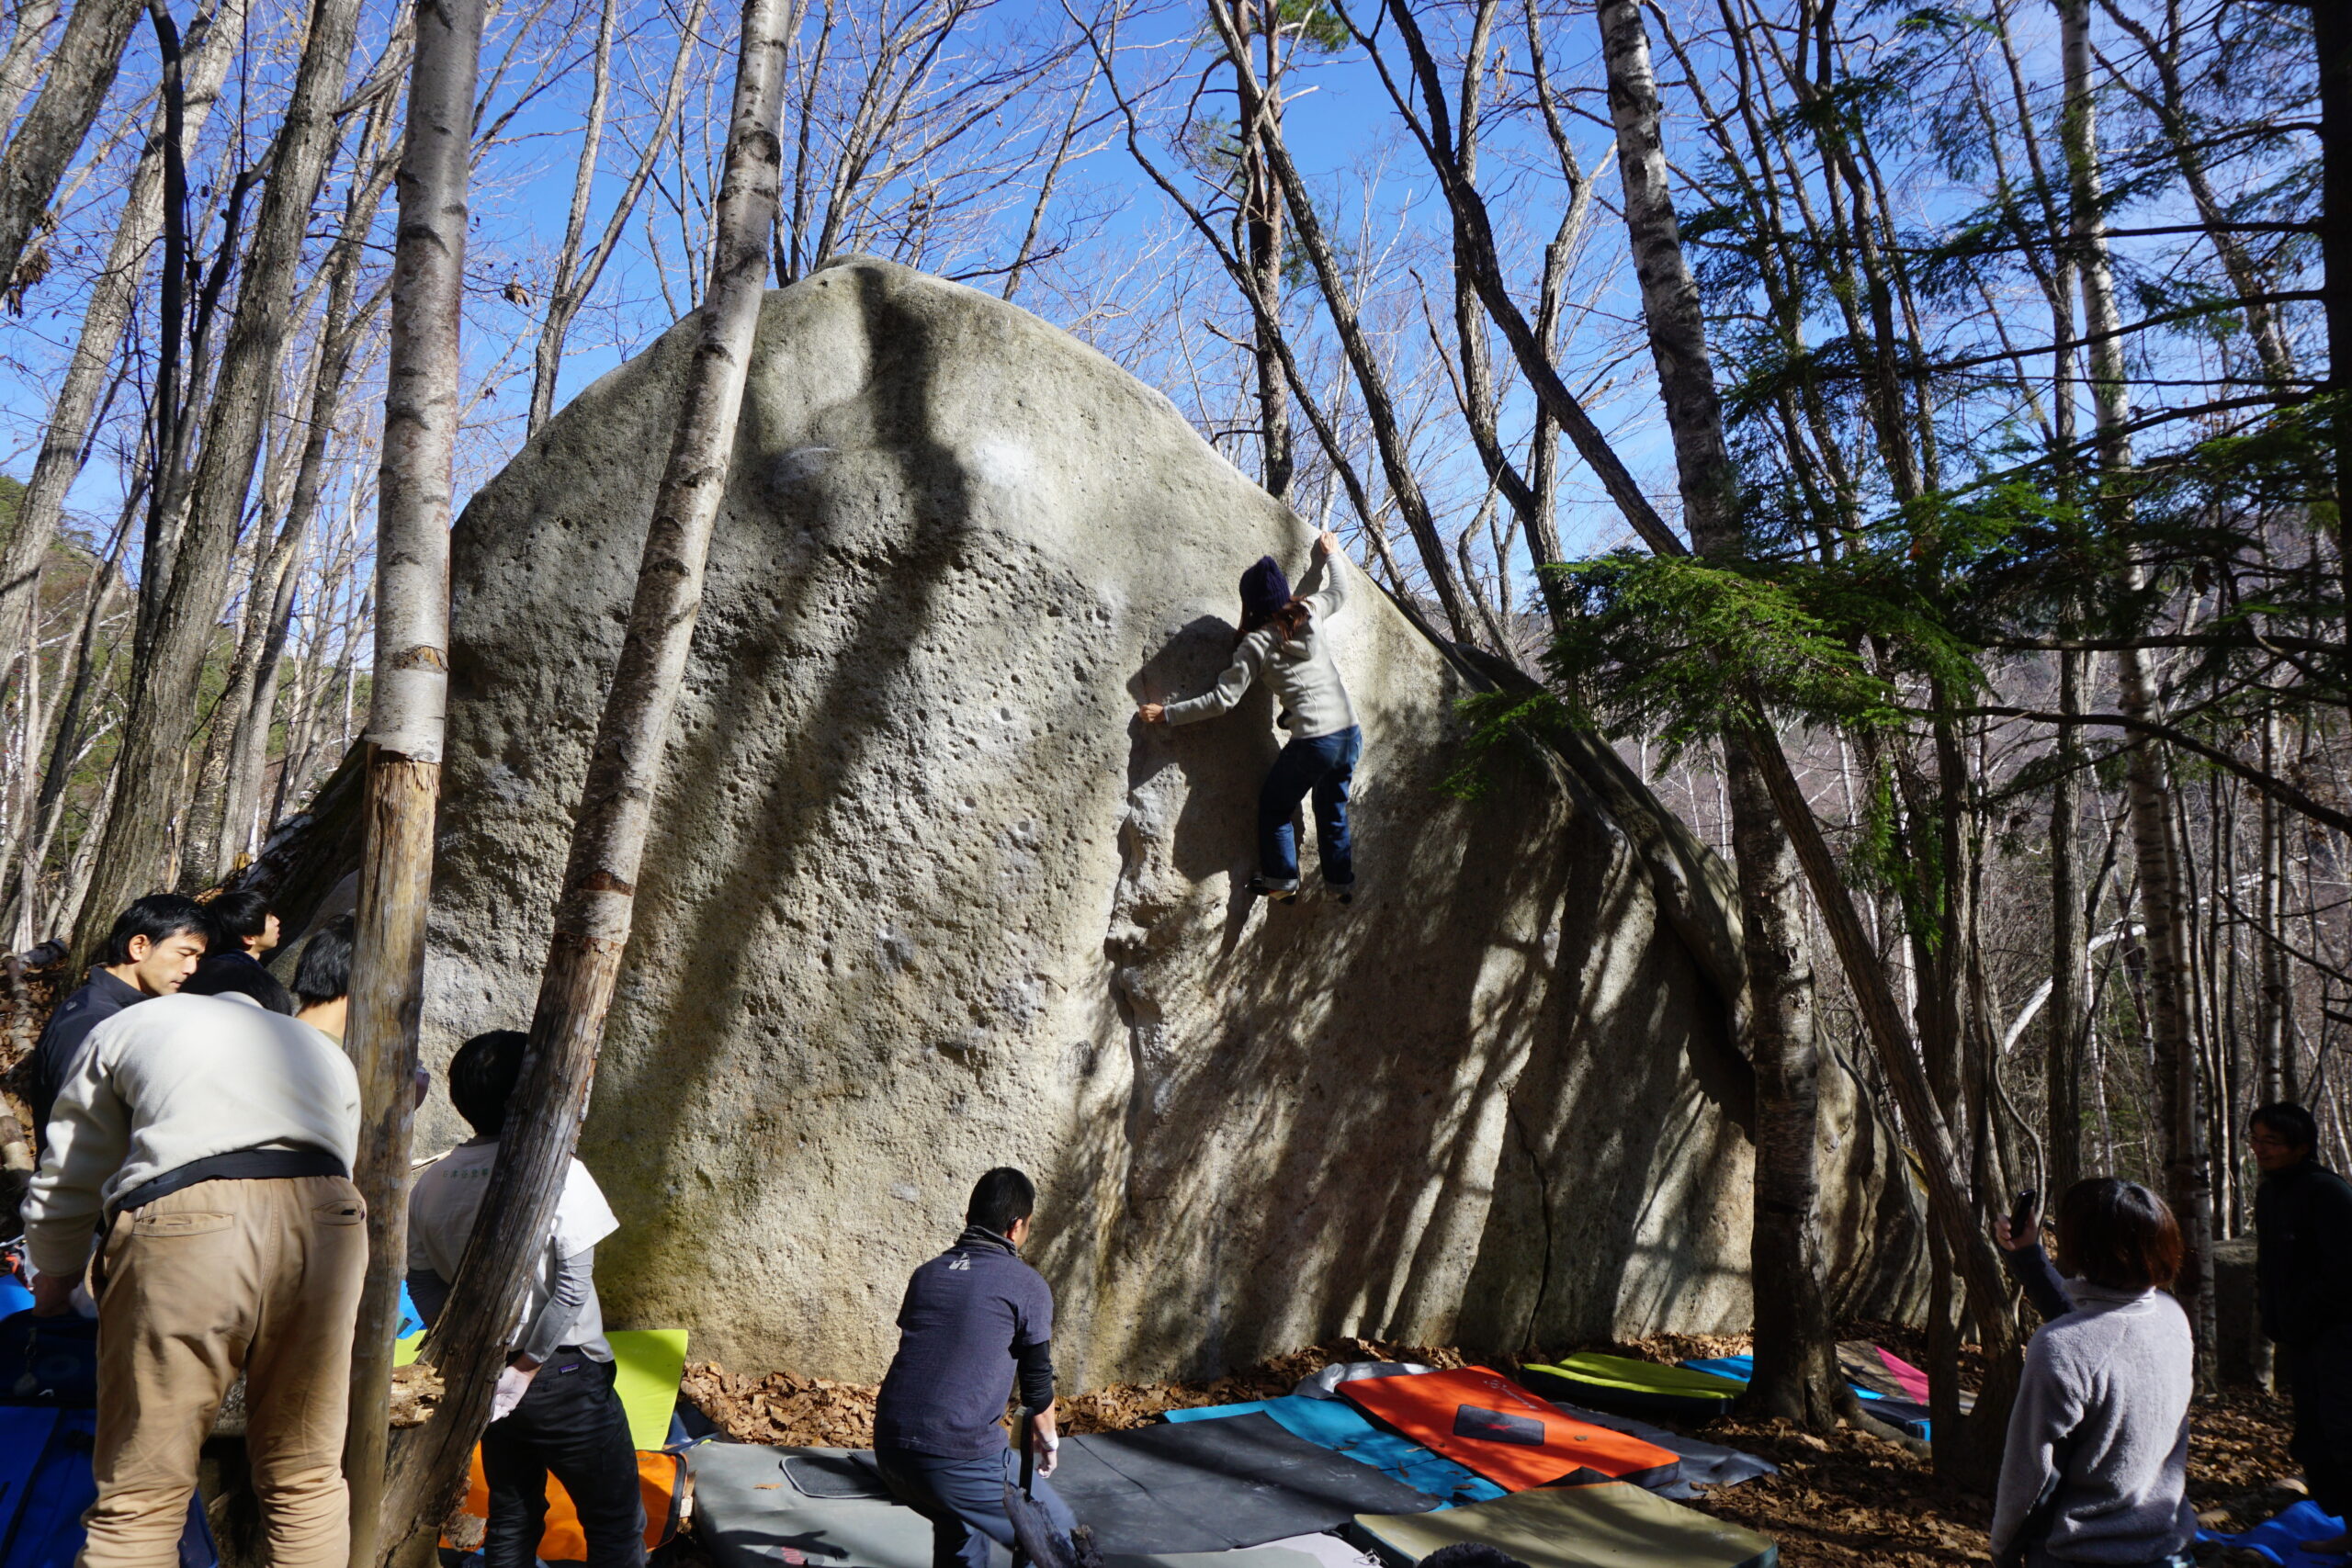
x=747 y=1514
x=1612 y=1525
x=1197 y=1486
x=1703 y=1463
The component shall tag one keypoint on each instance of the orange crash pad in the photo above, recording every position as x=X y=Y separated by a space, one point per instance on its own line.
x=660 y=1479
x=1484 y=1420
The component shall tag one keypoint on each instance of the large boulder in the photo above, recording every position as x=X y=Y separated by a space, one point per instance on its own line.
x=922 y=897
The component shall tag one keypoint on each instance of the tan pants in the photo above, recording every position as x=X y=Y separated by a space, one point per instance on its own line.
x=257 y=1276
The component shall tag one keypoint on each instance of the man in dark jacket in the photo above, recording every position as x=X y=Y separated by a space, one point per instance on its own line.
x=2302 y=1222
x=153 y=947
x=976 y=1322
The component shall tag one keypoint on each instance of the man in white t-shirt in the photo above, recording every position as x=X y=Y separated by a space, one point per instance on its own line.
x=556 y=1410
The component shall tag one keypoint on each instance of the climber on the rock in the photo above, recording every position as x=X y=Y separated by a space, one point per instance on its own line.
x=1283 y=637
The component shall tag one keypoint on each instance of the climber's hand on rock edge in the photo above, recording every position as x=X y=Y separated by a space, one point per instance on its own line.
x=1327 y=542
x=1152 y=713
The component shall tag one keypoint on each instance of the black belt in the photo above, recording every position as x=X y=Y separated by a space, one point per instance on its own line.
x=237 y=1164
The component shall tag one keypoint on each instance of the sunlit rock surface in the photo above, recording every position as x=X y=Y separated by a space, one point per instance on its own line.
x=923 y=898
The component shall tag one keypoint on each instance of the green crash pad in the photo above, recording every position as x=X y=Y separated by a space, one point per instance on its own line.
x=647 y=1365
x=1630 y=1387
x=1612 y=1525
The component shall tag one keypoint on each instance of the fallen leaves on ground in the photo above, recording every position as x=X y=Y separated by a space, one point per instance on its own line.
x=797 y=1412
x=781 y=1408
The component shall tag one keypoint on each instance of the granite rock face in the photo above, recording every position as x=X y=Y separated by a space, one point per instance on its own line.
x=925 y=898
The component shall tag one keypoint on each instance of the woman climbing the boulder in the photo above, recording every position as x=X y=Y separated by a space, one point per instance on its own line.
x=1283 y=637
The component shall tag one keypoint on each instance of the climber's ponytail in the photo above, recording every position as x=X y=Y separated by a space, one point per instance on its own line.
x=1288 y=621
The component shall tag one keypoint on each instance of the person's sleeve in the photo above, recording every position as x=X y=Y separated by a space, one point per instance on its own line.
x=430 y=1291
x=1036 y=1362
x=1228 y=690
x=55 y=1057
x=2031 y=1267
x=2048 y=1408
x=89 y=1135
x=2332 y=1236
x=582 y=1217
x=1033 y=1314
x=573 y=1275
x=1332 y=597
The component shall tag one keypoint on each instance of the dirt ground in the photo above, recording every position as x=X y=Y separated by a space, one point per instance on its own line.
x=1845 y=1501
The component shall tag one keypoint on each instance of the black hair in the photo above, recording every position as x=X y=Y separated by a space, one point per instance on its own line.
x=158 y=917
x=2291 y=1122
x=237 y=918
x=482 y=1077
x=1471 y=1555
x=224 y=973
x=2119 y=1234
x=323 y=972
x=1000 y=1200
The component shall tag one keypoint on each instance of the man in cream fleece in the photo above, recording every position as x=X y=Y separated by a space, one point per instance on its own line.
x=212 y=1139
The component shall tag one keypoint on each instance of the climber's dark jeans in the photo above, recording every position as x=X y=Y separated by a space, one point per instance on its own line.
x=1323 y=767
x=964 y=1500
x=569 y=1422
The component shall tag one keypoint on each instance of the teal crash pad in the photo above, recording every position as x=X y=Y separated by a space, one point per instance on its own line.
x=1341 y=1428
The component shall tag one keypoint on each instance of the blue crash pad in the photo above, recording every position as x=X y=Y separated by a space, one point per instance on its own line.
x=1339 y=1427
x=46 y=1485
x=2281 y=1539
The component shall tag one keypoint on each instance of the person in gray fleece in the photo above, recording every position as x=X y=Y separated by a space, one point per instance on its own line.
x=1285 y=637
x=2096 y=1466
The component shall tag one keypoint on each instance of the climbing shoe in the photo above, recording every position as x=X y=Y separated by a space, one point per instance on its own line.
x=1280 y=892
x=1345 y=892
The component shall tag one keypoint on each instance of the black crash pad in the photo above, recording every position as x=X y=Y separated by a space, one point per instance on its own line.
x=1214 y=1485
x=825 y=1472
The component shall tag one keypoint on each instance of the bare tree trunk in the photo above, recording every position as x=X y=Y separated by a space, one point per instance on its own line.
x=421 y=401
x=1475 y=251
x=28 y=52
x=163 y=691
x=81 y=71
x=1797 y=1353
x=2331 y=33
x=575 y=278
x=2181 y=1119
x=205 y=63
x=2274 y=996
x=547 y=359
x=2068 y=960
x=593 y=914
x=1262 y=219
x=1026 y=255
x=1372 y=381
x=220 y=817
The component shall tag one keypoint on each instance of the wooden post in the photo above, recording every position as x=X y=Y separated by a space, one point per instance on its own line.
x=468 y=1345
x=411 y=696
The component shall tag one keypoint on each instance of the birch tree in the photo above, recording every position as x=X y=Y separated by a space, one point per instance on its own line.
x=194 y=586
x=80 y=72
x=409 y=700
x=594 y=910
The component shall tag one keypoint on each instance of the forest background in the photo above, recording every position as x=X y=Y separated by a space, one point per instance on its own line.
x=1979 y=353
